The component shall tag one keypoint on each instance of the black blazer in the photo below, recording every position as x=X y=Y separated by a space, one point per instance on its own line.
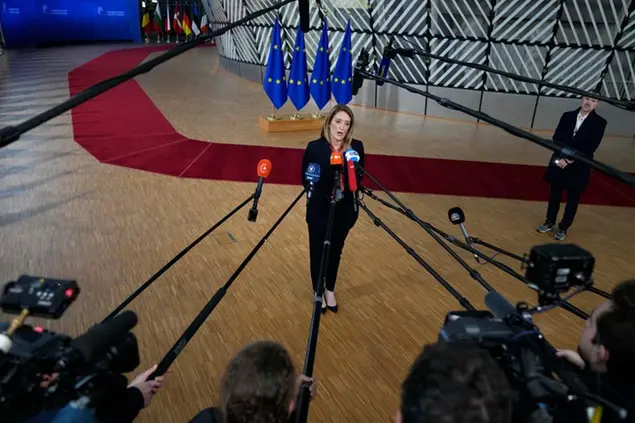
x=586 y=140
x=317 y=211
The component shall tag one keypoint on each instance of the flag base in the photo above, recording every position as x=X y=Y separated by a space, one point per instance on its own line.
x=291 y=123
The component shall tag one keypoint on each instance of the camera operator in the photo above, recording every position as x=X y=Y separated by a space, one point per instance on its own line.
x=455 y=383
x=606 y=351
x=260 y=385
x=113 y=408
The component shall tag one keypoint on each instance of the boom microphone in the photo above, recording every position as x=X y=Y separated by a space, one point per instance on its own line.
x=264 y=169
x=457 y=217
x=98 y=339
x=305 y=15
x=499 y=306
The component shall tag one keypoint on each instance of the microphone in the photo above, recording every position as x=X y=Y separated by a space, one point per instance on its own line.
x=457 y=217
x=305 y=15
x=363 y=60
x=264 y=169
x=98 y=339
x=352 y=157
x=499 y=306
x=312 y=175
x=336 y=163
x=387 y=56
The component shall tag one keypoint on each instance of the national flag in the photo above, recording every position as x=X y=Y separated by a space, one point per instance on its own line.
x=145 y=22
x=298 y=83
x=187 y=26
x=342 y=81
x=195 y=28
x=177 y=20
x=158 y=21
x=168 y=21
x=275 y=82
x=204 y=24
x=320 y=81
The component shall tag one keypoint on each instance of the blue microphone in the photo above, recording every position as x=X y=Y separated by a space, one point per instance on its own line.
x=312 y=175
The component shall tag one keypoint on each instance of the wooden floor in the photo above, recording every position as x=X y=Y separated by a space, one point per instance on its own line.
x=63 y=214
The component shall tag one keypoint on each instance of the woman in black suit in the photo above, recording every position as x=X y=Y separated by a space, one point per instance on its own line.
x=336 y=136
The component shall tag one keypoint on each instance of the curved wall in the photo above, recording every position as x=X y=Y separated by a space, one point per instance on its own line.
x=589 y=45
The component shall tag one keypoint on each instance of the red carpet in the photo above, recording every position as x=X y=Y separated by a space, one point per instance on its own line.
x=123 y=127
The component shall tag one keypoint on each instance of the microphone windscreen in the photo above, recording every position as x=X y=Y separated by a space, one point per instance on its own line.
x=100 y=337
x=312 y=173
x=264 y=168
x=498 y=305
x=351 y=155
x=336 y=159
x=456 y=216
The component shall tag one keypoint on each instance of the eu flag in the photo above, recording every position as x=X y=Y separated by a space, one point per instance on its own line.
x=298 y=83
x=343 y=74
x=320 y=83
x=275 y=81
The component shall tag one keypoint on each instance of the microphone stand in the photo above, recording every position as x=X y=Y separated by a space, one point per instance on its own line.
x=198 y=321
x=172 y=262
x=428 y=227
x=378 y=222
x=302 y=411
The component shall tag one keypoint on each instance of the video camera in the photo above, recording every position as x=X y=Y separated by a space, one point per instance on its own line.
x=41 y=371
x=547 y=386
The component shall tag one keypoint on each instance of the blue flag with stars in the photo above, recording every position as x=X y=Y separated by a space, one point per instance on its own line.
x=275 y=82
x=298 y=83
x=320 y=82
x=342 y=82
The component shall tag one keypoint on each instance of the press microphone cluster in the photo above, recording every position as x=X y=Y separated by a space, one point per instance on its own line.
x=264 y=169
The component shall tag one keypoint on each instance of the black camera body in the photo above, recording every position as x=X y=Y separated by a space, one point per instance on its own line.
x=547 y=388
x=44 y=371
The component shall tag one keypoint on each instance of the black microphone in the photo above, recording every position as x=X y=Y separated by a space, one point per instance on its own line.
x=457 y=217
x=305 y=15
x=264 y=169
x=363 y=60
x=499 y=306
x=386 y=59
x=97 y=340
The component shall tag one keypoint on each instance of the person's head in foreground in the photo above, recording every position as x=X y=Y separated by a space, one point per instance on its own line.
x=455 y=383
x=260 y=385
x=607 y=344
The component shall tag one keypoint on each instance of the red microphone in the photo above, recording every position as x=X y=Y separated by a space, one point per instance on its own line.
x=351 y=158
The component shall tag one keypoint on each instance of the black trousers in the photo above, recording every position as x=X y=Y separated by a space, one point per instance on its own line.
x=573 y=199
x=317 y=235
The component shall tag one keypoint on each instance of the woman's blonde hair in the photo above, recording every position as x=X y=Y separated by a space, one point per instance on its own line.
x=329 y=118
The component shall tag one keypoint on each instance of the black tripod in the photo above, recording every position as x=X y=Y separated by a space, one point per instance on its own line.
x=309 y=360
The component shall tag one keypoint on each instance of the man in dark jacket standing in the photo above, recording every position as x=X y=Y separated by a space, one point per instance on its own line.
x=581 y=129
